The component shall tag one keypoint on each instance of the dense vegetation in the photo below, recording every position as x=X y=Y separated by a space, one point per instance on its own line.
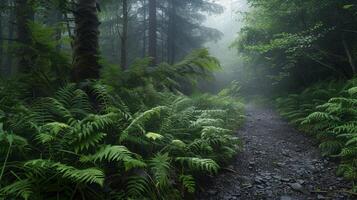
x=288 y=45
x=100 y=127
x=90 y=142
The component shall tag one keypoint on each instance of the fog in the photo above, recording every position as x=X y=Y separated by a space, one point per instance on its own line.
x=229 y=23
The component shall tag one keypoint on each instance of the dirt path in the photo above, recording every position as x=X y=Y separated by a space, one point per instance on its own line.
x=277 y=163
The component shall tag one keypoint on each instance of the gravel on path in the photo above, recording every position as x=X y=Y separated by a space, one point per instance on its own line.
x=277 y=162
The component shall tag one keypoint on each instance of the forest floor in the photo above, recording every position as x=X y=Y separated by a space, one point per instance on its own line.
x=277 y=162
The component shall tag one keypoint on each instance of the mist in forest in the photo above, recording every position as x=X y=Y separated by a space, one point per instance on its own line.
x=229 y=23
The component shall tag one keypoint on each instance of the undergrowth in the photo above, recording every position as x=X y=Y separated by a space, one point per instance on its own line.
x=328 y=111
x=132 y=137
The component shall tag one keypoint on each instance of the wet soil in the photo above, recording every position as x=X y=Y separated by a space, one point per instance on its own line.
x=277 y=162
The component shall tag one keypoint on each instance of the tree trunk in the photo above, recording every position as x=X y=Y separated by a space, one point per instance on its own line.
x=124 y=36
x=86 y=42
x=152 y=31
x=24 y=15
x=172 y=31
x=1 y=45
x=8 y=62
x=144 y=26
x=349 y=56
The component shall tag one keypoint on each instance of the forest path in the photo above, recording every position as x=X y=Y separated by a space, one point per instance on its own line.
x=277 y=162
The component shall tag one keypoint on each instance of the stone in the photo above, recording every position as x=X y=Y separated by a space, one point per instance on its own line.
x=277 y=177
x=296 y=186
x=269 y=193
x=320 y=196
x=212 y=192
x=285 y=179
x=286 y=198
x=260 y=186
x=258 y=179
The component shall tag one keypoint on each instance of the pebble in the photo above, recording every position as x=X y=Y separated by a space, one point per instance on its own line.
x=296 y=186
x=269 y=193
x=277 y=177
x=286 y=198
x=212 y=192
x=285 y=179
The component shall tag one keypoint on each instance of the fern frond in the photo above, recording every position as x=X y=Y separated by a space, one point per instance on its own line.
x=88 y=176
x=138 y=187
x=188 y=183
x=160 y=167
x=139 y=121
x=19 y=189
x=115 y=153
x=319 y=116
x=200 y=164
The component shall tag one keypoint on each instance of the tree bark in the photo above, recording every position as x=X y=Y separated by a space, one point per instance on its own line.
x=144 y=26
x=1 y=44
x=24 y=15
x=86 y=41
x=152 y=31
x=9 y=61
x=124 y=36
x=349 y=56
x=171 y=32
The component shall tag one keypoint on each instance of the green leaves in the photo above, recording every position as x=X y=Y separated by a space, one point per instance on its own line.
x=154 y=136
x=154 y=153
x=137 y=123
x=160 y=167
x=200 y=164
x=328 y=111
x=115 y=154
x=88 y=176
x=19 y=189
x=349 y=6
x=188 y=182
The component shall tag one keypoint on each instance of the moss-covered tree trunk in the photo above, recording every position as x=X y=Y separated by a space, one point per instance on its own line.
x=86 y=45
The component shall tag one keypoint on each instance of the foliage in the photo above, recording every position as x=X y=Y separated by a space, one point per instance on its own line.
x=85 y=142
x=289 y=44
x=328 y=111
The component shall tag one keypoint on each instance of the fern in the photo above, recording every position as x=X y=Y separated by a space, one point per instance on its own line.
x=188 y=183
x=88 y=176
x=138 y=187
x=160 y=167
x=146 y=140
x=115 y=153
x=331 y=117
x=199 y=164
x=139 y=121
x=19 y=189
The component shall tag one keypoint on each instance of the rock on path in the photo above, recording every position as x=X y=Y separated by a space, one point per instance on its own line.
x=277 y=163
